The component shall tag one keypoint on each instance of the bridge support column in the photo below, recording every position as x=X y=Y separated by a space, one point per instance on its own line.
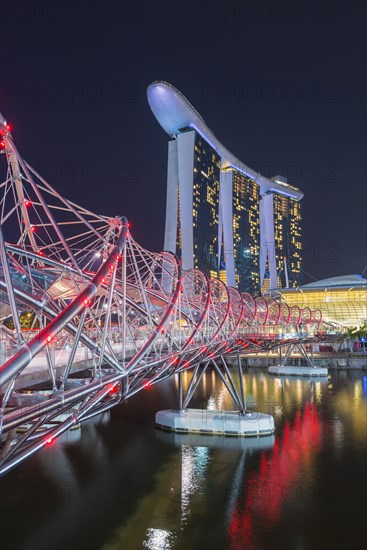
x=238 y=400
x=194 y=384
x=235 y=423
x=2 y=352
x=284 y=369
x=180 y=390
x=10 y=290
x=240 y=375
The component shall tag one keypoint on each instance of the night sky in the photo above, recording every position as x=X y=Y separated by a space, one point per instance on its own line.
x=281 y=84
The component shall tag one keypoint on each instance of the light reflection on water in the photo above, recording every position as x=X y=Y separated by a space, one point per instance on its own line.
x=121 y=484
x=158 y=539
x=194 y=463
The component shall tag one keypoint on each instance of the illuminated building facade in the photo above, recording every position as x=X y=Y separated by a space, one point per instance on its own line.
x=192 y=209
x=239 y=199
x=281 y=224
x=340 y=299
x=205 y=205
x=222 y=217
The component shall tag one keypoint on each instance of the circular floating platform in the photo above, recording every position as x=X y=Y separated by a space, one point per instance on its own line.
x=298 y=371
x=229 y=423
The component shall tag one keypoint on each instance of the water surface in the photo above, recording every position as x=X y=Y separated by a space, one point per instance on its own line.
x=120 y=484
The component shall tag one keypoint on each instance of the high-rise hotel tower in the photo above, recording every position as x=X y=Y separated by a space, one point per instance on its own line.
x=192 y=212
x=221 y=216
x=280 y=222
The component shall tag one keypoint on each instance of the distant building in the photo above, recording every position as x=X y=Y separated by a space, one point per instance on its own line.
x=222 y=217
x=340 y=299
x=240 y=221
x=281 y=218
x=192 y=213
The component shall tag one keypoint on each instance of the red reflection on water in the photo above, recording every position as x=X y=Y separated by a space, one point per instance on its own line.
x=277 y=479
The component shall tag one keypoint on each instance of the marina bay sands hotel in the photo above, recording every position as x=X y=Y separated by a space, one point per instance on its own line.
x=222 y=217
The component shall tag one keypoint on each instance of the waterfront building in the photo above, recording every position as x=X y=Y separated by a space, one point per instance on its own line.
x=192 y=209
x=240 y=220
x=281 y=219
x=340 y=299
x=222 y=217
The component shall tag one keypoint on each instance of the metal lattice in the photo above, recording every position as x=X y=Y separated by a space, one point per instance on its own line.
x=76 y=289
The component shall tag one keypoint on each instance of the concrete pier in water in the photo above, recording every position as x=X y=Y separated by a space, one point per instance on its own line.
x=294 y=370
x=230 y=423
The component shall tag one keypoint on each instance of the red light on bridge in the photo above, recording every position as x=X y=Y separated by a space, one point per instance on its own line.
x=112 y=267
x=85 y=302
x=118 y=257
x=9 y=127
x=103 y=280
x=41 y=253
x=162 y=331
x=27 y=203
x=2 y=144
x=49 y=338
x=147 y=385
x=49 y=440
x=113 y=389
x=33 y=228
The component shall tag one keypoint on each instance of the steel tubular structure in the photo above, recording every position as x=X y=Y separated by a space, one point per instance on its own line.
x=77 y=293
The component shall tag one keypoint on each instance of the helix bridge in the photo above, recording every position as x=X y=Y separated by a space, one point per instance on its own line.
x=77 y=292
